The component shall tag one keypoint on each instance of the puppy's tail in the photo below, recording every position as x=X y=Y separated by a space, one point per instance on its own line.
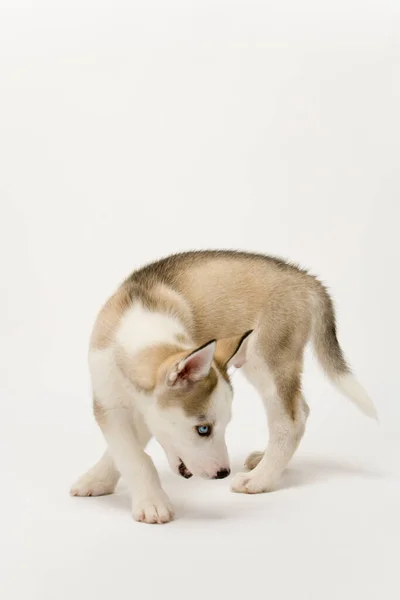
x=330 y=355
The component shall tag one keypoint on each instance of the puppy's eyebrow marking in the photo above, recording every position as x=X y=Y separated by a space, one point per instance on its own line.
x=204 y=420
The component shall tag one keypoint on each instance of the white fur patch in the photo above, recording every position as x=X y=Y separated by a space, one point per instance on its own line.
x=349 y=386
x=104 y=375
x=140 y=328
x=110 y=387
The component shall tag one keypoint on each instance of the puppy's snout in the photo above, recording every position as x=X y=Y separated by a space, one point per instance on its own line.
x=222 y=473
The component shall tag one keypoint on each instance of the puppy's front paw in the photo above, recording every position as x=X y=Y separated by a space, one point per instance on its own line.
x=252 y=483
x=88 y=485
x=153 y=508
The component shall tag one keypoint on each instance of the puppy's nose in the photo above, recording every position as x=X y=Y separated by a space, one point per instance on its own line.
x=222 y=474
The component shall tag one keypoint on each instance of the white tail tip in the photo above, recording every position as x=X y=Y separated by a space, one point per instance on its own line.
x=350 y=387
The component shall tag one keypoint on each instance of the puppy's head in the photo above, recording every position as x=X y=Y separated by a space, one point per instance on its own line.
x=193 y=406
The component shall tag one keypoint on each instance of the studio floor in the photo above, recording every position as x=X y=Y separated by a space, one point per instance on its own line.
x=330 y=532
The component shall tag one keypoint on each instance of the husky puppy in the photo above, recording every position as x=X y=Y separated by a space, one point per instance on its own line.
x=159 y=357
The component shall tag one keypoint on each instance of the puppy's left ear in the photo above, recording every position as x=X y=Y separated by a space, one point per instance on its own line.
x=194 y=367
x=231 y=352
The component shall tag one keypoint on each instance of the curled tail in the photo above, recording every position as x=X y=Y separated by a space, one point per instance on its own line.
x=330 y=355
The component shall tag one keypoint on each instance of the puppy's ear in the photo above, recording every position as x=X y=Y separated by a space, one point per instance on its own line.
x=231 y=352
x=194 y=367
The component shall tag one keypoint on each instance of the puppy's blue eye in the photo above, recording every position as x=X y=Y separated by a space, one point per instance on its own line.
x=203 y=430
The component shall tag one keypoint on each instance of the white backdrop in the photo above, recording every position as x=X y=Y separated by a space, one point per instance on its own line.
x=131 y=130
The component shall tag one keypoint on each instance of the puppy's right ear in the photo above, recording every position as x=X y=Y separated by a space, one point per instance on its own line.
x=194 y=367
x=232 y=351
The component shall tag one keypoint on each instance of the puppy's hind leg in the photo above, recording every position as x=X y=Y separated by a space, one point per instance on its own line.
x=99 y=480
x=255 y=457
x=286 y=418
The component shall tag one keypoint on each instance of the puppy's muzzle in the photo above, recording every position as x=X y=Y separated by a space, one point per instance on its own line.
x=184 y=471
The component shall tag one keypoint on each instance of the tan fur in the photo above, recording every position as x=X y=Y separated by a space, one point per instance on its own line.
x=226 y=348
x=109 y=318
x=235 y=292
x=142 y=368
x=100 y=413
x=194 y=398
x=231 y=291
